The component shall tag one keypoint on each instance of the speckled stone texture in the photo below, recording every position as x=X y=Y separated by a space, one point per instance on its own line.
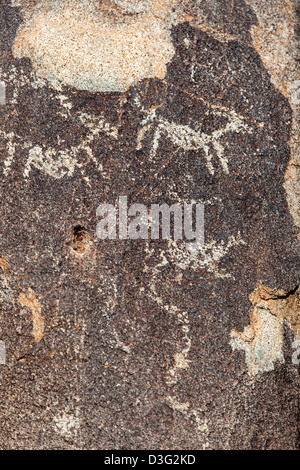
x=129 y=344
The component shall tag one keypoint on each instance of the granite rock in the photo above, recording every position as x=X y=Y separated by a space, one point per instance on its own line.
x=143 y=344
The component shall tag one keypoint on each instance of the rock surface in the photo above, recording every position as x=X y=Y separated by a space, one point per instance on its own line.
x=122 y=344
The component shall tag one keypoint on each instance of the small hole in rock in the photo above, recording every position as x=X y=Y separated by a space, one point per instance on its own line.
x=79 y=240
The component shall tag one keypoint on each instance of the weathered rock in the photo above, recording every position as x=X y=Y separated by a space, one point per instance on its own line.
x=127 y=344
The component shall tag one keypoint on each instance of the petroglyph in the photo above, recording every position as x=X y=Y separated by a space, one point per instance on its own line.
x=53 y=162
x=181 y=360
x=67 y=425
x=186 y=409
x=208 y=256
x=186 y=138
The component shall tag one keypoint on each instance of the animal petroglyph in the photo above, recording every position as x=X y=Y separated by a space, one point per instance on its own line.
x=186 y=138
